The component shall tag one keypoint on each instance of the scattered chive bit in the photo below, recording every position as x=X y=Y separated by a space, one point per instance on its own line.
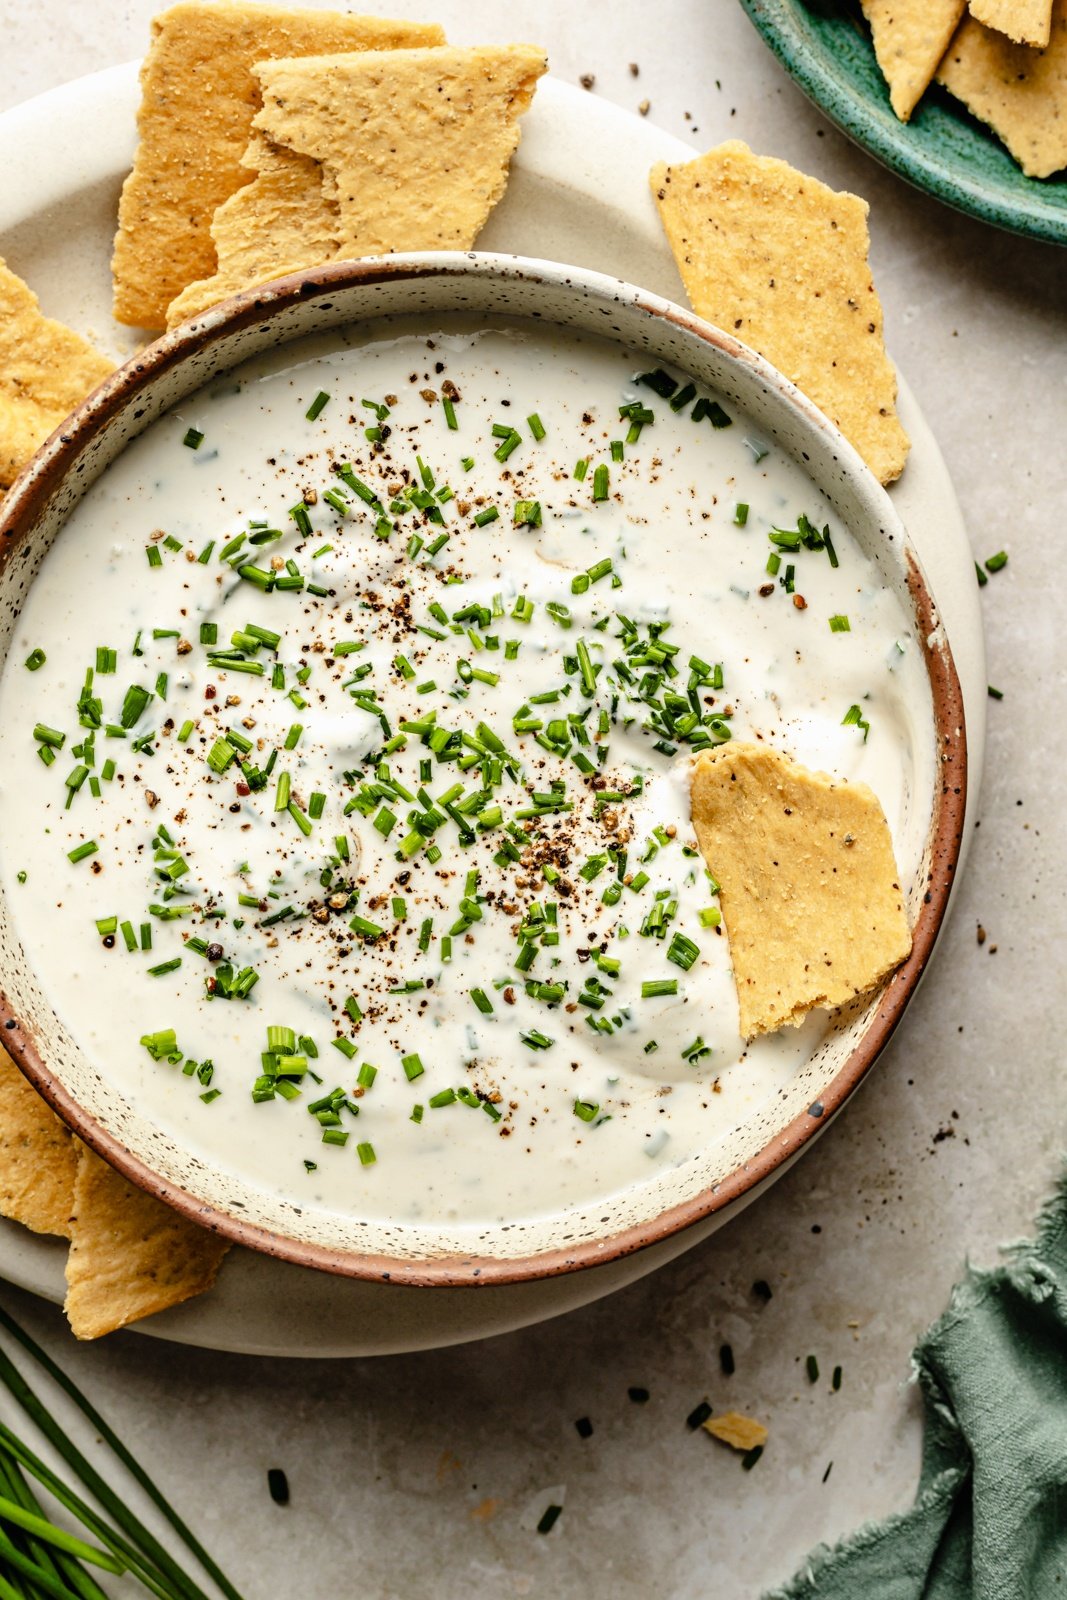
x=193 y=438
x=81 y=851
x=277 y=1482
x=840 y=624
x=762 y=1290
x=584 y=1428
x=997 y=562
x=829 y=1469
x=698 y=1416
x=317 y=406
x=854 y=718
x=726 y=1360
x=638 y=1394
x=811 y=1366
x=994 y=694
x=549 y=1517
x=750 y=1457
x=740 y=514
x=980 y=575
x=35 y=660
x=835 y=1381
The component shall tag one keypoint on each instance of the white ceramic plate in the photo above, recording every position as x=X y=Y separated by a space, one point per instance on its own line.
x=578 y=193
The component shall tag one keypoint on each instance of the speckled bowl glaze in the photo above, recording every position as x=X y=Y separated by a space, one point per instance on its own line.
x=694 y=1197
x=826 y=46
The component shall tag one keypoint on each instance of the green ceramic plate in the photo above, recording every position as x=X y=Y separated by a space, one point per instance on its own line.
x=827 y=48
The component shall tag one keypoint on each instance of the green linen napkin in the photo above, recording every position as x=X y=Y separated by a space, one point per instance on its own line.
x=989 y=1520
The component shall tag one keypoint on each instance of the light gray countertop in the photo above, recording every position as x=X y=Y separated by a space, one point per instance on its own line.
x=425 y=1475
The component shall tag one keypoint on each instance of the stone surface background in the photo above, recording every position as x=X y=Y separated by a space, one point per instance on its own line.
x=425 y=1475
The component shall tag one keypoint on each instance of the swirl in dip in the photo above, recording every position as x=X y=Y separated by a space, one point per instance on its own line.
x=346 y=819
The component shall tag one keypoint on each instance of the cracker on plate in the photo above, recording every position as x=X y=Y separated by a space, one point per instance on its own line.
x=415 y=144
x=780 y=260
x=130 y=1255
x=37 y=1157
x=1021 y=93
x=46 y=369
x=1025 y=21
x=809 y=890
x=737 y=1430
x=910 y=37
x=198 y=98
x=278 y=223
x=366 y=155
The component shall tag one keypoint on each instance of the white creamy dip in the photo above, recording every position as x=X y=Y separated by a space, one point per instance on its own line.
x=387 y=775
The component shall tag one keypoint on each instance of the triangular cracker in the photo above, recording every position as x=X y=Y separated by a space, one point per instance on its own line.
x=278 y=223
x=415 y=144
x=130 y=1255
x=910 y=37
x=780 y=260
x=420 y=198
x=198 y=98
x=1021 y=93
x=1025 y=21
x=46 y=369
x=37 y=1157
x=809 y=889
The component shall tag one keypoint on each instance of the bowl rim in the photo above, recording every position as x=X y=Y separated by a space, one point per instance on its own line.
x=44 y=475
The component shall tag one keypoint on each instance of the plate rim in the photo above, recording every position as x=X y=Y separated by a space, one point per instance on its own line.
x=775 y=23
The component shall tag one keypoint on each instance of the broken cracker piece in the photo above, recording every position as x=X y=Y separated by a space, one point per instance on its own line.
x=1025 y=21
x=279 y=223
x=810 y=893
x=736 y=1430
x=198 y=98
x=46 y=369
x=130 y=1255
x=37 y=1157
x=910 y=37
x=780 y=260
x=1021 y=93
x=414 y=144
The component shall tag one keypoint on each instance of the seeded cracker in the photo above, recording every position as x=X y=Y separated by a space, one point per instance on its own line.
x=45 y=371
x=278 y=223
x=37 y=1157
x=780 y=260
x=415 y=144
x=368 y=155
x=910 y=37
x=736 y=1430
x=1025 y=21
x=810 y=894
x=1021 y=93
x=130 y=1255
x=198 y=98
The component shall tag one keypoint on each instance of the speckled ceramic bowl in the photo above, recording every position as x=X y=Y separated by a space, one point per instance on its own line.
x=693 y=1197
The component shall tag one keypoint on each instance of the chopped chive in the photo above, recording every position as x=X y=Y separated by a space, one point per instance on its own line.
x=35 y=660
x=365 y=1152
x=317 y=406
x=740 y=514
x=840 y=624
x=601 y=479
x=652 y=988
x=997 y=562
x=193 y=438
x=79 y=853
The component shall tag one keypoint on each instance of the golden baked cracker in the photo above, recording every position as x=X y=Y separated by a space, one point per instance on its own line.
x=46 y=370
x=737 y=1430
x=1025 y=21
x=278 y=223
x=780 y=260
x=198 y=98
x=810 y=894
x=415 y=144
x=130 y=1255
x=37 y=1157
x=1021 y=93
x=910 y=37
